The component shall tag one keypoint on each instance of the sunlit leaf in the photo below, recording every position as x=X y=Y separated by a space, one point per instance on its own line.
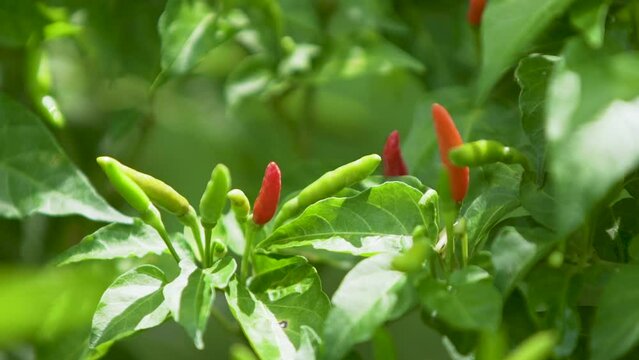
x=593 y=114
x=132 y=303
x=370 y=294
x=380 y=219
x=37 y=177
x=508 y=27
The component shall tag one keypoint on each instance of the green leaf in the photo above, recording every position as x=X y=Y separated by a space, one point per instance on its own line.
x=279 y=306
x=189 y=297
x=19 y=20
x=37 y=177
x=249 y=79
x=508 y=28
x=379 y=219
x=132 y=303
x=469 y=301
x=383 y=345
x=115 y=241
x=515 y=251
x=260 y=326
x=377 y=57
x=592 y=119
x=221 y=272
x=539 y=202
x=615 y=329
x=499 y=198
x=189 y=29
x=292 y=290
x=370 y=294
x=533 y=74
x=589 y=17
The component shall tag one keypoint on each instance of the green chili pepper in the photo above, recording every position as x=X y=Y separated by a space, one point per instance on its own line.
x=136 y=197
x=160 y=193
x=239 y=204
x=484 y=152
x=537 y=347
x=214 y=197
x=413 y=259
x=130 y=191
x=328 y=185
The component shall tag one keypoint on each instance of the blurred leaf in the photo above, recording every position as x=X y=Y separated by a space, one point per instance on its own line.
x=514 y=254
x=468 y=302
x=299 y=61
x=370 y=294
x=250 y=78
x=189 y=29
x=592 y=117
x=383 y=345
x=48 y=303
x=189 y=297
x=615 y=329
x=589 y=17
x=380 y=219
x=36 y=175
x=533 y=74
x=499 y=198
x=115 y=241
x=539 y=202
x=376 y=57
x=508 y=28
x=19 y=20
x=132 y=303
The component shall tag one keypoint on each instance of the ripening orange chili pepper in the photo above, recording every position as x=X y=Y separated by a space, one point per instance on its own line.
x=394 y=164
x=269 y=196
x=475 y=11
x=448 y=137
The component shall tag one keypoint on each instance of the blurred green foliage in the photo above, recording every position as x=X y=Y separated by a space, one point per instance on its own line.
x=174 y=87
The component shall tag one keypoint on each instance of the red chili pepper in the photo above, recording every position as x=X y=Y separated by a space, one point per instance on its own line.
x=475 y=11
x=269 y=196
x=448 y=137
x=394 y=164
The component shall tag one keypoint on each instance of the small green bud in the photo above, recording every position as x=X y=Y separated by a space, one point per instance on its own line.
x=556 y=259
x=413 y=259
x=239 y=204
x=218 y=250
x=214 y=197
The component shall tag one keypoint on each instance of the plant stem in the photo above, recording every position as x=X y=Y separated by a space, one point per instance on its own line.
x=167 y=241
x=208 y=230
x=191 y=220
x=464 y=249
x=249 y=235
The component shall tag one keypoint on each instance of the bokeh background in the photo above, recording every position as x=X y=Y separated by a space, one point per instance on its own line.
x=311 y=84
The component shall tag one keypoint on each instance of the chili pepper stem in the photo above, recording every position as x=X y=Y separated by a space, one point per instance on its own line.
x=464 y=249
x=249 y=237
x=191 y=220
x=208 y=231
x=152 y=218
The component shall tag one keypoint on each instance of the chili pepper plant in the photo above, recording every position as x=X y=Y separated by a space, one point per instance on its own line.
x=321 y=179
